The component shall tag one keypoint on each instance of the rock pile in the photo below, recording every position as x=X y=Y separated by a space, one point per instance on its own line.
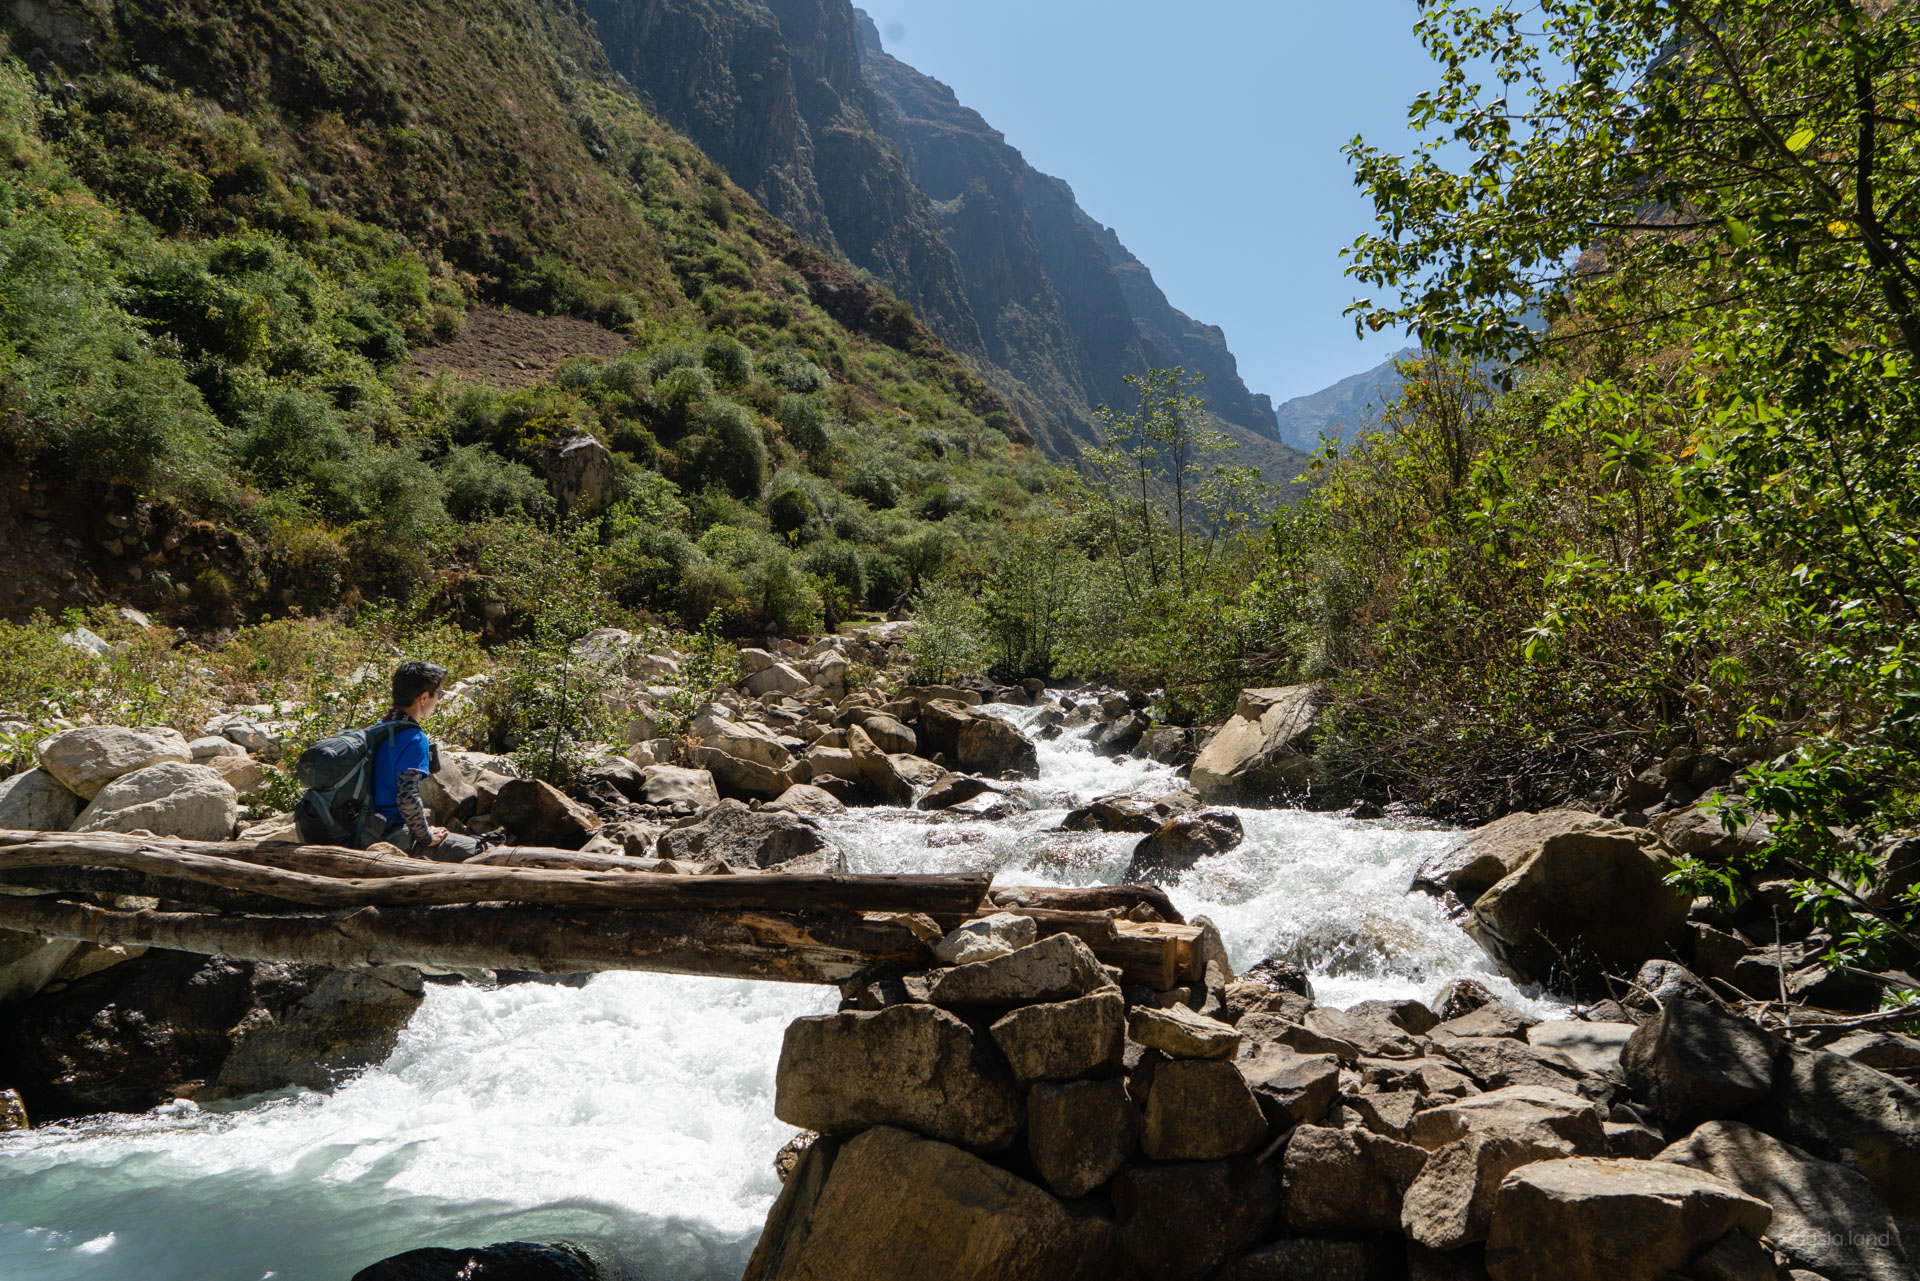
x=1026 y=1115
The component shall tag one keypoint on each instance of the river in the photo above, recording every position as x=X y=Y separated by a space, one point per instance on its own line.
x=637 y=1111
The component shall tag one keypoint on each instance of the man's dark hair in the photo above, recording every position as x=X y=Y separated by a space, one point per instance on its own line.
x=414 y=678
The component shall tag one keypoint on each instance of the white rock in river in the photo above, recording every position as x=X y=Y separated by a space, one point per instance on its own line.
x=170 y=799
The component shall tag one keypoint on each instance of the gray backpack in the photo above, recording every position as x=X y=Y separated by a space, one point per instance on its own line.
x=338 y=775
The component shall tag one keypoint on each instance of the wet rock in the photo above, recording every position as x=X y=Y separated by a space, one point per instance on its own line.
x=1080 y=1133
x=908 y=1065
x=1291 y=1088
x=892 y=1206
x=1264 y=749
x=1282 y=974
x=957 y=789
x=1540 y=1111
x=170 y=799
x=746 y=838
x=989 y=745
x=878 y=770
x=1064 y=1040
x=507 y=1261
x=1451 y=1204
x=1825 y=1216
x=175 y=1025
x=985 y=938
x=538 y=813
x=1121 y=736
x=1841 y=1110
x=1598 y=1219
x=1180 y=1221
x=86 y=760
x=13 y=1112
x=1180 y=1033
x=1166 y=744
x=1461 y=996
x=1114 y=814
x=1587 y=903
x=1694 y=1062
x=1201 y=1110
x=1488 y=1018
x=1180 y=842
x=1347 y=1180
x=1057 y=968
x=1482 y=858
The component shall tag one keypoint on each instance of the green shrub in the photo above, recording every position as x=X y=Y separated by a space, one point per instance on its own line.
x=678 y=397
x=805 y=421
x=727 y=449
x=790 y=510
x=481 y=483
x=837 y=562
x=729 y=359
x=793 y=372
x=873 y=481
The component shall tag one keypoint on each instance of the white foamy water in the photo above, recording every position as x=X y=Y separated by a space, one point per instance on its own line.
x=637 y=1111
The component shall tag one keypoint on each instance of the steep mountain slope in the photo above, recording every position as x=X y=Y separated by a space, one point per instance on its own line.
x=234 y=234
x=873 y=160
x=1342 y=409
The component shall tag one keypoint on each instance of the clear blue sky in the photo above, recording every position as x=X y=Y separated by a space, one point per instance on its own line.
x=1208 y=134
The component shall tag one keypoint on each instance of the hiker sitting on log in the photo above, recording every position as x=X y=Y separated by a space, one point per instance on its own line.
x=401 y=762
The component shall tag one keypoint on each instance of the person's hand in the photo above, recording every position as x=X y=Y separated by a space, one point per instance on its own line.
x=438 y=834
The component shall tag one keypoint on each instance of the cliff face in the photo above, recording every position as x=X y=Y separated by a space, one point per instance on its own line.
x=871 y=159
x=775 y=93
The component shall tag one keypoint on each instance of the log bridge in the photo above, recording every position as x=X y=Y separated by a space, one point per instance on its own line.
x=545 y=910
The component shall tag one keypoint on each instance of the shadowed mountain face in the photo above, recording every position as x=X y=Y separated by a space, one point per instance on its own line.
x=1342 y=410
x=869 y=158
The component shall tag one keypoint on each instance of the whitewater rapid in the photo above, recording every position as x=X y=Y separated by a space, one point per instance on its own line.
x=636 y=1112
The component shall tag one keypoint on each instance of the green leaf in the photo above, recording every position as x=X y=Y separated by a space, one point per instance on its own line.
x=1799 y=139
x=1739 y=232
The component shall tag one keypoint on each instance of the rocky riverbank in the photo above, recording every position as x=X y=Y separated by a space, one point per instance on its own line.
x=1020 y=1110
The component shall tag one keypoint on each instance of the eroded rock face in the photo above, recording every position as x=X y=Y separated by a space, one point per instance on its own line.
x=170 y=799
x=674 y=785
x=1451 y=1204
x=738 y=778
x=86 y=760
x=538 y=813
x=1264 y=749
x=1589 y=902
x=35 y=801
x=1080 y=1133
x=1696 y=1062
x=1347 y=1180
x=1485 y=856
x=908 y=1065
x=1597 y=1219
x=1064 y=1040
x=1057 y=968
x=895 y=1205
x=1811 y=1198
x=1180 y=1220
x=175 y=1025
x=1201 y=1110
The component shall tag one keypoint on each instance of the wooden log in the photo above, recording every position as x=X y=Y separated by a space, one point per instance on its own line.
x=1090 y=898
x=798 y=948
x=455 y=883
x=1159 y=955
x=569 y=860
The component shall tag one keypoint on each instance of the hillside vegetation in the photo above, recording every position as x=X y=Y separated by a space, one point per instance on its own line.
x=225 y=228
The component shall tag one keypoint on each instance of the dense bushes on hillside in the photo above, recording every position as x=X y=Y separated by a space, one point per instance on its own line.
x=214 y=308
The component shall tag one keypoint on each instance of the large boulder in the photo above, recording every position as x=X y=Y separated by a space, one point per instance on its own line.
x=1181 y=1033
x=1583 y=904
x=1201 y=1110
x=35 y=801
x=1536 y=1110
x=170 y=799
x=677 y=785
x=1811 y=1200
x=742 y=837
x=1265 y=748
x=1180 y=1220
x=1079 y=1133
x=1328 y=1258
x=1347 y=1180
x=1291 y=1088
x=1598 y=1219
x=1180 y=842
x=535 y=812
x=1845 y=1111
x=1064 y=1040
x=1058 y=968
x=86 y=760
x=988 y=745
x=1695 y=1062
x=1482 y=858
x=581 y=474
x=1591 y=1046
x=909 y=1065
x=741 y=778
x=777 y=679
x=170 y=1025
x=743 y=741
x=889 y=735
x=892 y=1206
